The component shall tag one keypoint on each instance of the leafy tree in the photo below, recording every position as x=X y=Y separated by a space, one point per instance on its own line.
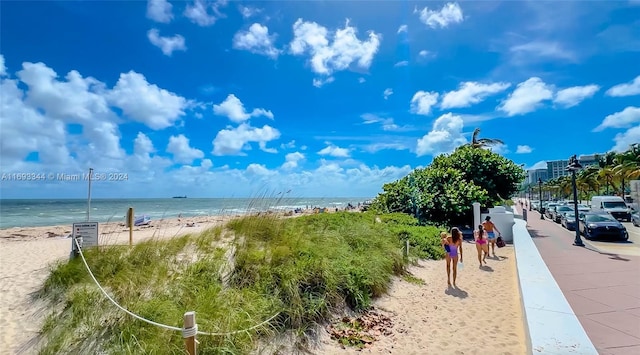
x=443 y=192
x=497 y=175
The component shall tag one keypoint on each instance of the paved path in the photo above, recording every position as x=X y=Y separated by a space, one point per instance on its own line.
x=603 y=289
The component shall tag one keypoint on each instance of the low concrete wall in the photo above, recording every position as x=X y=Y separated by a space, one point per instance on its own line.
x=552 y=326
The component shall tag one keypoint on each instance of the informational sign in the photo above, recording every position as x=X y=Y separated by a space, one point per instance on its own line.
x=86 y=233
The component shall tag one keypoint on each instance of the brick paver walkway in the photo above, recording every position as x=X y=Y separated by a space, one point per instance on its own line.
x=602 y=289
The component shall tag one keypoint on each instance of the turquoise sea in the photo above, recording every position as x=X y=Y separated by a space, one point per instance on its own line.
x=48 y=212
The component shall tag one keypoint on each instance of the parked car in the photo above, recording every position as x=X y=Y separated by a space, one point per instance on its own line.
x=635 y=219
x=598 y=225
x=548 y=212
x=535 y=205
x=559 y=211
x=568 y=220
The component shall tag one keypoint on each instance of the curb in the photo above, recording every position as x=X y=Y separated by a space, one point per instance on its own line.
x=550 y=322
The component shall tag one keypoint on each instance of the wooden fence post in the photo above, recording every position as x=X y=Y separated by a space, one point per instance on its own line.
x=130 y=222
x=190 y=322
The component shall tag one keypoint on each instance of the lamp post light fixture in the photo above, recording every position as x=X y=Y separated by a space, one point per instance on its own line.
x=574 y=165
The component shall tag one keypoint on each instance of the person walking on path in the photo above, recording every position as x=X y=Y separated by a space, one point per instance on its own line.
x=482 y=245
x=491 y=230
x=453 y=247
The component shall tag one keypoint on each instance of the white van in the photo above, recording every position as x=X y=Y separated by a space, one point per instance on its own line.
x=613 y=205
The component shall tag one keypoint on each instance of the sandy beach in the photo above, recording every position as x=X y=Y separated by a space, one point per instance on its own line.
x=482 y=316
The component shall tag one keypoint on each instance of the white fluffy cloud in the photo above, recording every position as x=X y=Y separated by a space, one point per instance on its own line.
x=147 y=103
x=626 y=89
x=623 y=119
x=233 y=109
x=182 y=151
x=625 y=139
x=232 y=141
x=327 y=55
x=82 y=131
x=444 y=137
x=205 y=12
x=523 y=149
x=167 y=44
x=422 y=102
x=527 y=97
x=256 y=40
x=160 y=11
x=450 y=13
x=334 y=151
x=402 y=63
x=471 y=93
x=402 y=28
x=387 y=92
x=292 y=159
x=573 y=96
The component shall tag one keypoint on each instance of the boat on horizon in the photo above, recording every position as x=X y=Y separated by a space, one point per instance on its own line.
x=185 y=196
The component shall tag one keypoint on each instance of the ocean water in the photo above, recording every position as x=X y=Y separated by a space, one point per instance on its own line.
x=32 y=213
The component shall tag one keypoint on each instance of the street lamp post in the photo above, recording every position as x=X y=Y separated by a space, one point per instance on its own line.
x=574 y=165
x=540 y=205
x=530 y=196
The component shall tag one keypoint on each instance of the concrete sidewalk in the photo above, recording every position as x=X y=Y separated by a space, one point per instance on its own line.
x=603 y=289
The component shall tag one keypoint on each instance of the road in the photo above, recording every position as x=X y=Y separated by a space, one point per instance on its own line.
x=630 y=247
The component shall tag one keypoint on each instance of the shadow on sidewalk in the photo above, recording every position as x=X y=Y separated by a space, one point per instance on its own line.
x=536 y=233
x=486 y=268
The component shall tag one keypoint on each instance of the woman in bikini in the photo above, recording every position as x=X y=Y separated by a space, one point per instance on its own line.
x=452 y=246
x=489 y=227
x=481 y=245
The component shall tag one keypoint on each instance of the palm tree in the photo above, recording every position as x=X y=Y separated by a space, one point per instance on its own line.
x=627 y=166
x=483 y=142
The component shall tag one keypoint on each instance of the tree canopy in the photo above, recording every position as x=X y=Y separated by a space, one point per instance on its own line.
x=443 y=192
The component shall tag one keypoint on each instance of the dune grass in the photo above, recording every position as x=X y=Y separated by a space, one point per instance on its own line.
x=302 y=269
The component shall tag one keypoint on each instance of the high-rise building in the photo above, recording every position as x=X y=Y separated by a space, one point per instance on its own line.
x=557 y=168
x=535 y=174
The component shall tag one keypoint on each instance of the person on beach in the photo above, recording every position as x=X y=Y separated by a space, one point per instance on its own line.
x=453 y=247
x=491 y=230
x=481 y=245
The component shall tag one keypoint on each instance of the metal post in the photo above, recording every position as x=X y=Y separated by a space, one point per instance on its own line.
x=573 y=166
x=540 y=205
x=578 y=242
x=89 y=196
x=530 y=195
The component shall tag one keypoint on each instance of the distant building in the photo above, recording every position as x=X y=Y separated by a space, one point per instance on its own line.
x=557 y=168
x=589 y=160
x=535 y=174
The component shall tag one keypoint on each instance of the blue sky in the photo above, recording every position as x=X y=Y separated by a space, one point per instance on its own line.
x=323 y=98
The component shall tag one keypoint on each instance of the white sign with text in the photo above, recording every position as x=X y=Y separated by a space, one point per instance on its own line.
x=87 y=233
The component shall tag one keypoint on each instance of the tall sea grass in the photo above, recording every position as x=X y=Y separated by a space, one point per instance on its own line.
x=303 y=269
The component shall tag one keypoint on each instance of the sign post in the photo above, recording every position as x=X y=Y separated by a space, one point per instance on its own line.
x=86 y=234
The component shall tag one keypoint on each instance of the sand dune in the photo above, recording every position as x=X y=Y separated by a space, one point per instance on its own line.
x=482 y=316
x=26 y=255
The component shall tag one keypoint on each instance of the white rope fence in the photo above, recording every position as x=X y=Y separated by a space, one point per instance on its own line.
x=186 y=332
